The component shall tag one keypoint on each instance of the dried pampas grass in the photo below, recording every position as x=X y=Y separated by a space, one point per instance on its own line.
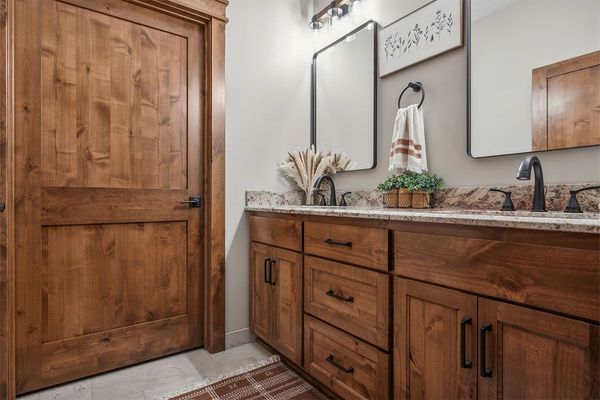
x=304 y=167
x=340 y=161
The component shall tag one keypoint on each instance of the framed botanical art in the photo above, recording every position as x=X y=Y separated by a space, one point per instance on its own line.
x=427 y=32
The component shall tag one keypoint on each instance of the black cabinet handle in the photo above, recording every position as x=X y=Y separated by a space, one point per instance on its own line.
x=339 y=366
x=271 y=281
x=267 y=260
x=333 y=294
x=484 y=370
x=2 y=207
x=464 y=363
x=336 y=243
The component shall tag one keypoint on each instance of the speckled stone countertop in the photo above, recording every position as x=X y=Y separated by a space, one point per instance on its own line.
x=550 y=221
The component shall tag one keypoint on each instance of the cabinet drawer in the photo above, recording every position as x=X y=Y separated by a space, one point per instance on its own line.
x=280 y=232
x=347 y=366
x=351 y=298
x=353 y=244
x=560 y=279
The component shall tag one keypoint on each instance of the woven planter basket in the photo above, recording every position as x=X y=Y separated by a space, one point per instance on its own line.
x=404 y=198
x=390 y=199
x=420 y=199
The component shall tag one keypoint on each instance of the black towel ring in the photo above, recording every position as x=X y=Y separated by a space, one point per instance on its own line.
x=416 y=87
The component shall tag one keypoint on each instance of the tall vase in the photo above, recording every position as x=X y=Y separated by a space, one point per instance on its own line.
x=309 y=200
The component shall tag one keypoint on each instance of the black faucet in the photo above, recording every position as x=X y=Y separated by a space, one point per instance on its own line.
x=329 y=179
x=524 y=174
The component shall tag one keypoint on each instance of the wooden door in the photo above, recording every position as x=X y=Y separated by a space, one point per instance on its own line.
x=531 y=354
x=566 y=103
x=260 y=288
x=287 y=304
x=108 y=133
x=432 y=358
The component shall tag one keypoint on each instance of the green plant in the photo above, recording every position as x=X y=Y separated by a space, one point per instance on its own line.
x=424 y=182
x=403 y=180
x=387 y=185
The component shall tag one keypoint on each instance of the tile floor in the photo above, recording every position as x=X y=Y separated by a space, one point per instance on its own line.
x=154 y=379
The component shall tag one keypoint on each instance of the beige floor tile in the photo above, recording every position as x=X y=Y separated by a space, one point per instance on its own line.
x=157 y=378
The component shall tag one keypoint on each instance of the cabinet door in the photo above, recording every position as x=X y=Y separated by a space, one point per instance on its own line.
x=260 y=297
x=528 y=354
x=435 y=342
x=287 y=304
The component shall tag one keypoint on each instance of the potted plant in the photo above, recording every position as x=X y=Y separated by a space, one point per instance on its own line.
x=404 y=194
x=422 y=186
x=390 y=192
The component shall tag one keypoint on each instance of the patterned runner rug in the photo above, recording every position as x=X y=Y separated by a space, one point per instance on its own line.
x=273 y=381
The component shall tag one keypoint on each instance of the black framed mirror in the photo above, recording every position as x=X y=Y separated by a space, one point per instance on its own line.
x=344 y=97
x=533 y=75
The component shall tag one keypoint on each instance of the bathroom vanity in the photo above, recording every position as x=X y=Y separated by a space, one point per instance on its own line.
x=378 y=304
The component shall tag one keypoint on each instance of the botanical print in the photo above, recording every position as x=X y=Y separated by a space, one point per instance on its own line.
x=428 y=31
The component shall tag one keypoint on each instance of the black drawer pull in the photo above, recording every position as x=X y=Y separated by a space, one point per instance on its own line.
x=339 y=366
x=333 y=294
x=336 y=243
x=484 y=371
x=267 y=260
x=464 y=363
x=271 y=281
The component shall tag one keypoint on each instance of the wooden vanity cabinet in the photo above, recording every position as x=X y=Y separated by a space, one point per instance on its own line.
x=435 y=352
x=466 y=312
x=276 y=300
x=452 y=345
x=530 y=354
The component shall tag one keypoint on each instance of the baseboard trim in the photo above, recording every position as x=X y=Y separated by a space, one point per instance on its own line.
x=239 y=337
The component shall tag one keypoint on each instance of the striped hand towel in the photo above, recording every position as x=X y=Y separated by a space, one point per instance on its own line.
x=408 y=142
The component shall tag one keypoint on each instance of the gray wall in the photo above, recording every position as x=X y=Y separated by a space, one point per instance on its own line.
x=269 y=50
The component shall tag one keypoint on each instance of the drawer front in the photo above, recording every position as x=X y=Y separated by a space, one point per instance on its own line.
x=353 y=244
x=280 y=232
x=353 y=299
x=347 y=366
x=559 y=279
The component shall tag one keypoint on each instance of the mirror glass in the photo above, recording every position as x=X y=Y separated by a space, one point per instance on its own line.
x=534 y=75
x=344 y=97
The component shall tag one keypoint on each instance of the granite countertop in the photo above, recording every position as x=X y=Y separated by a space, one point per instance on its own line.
x=550 y=221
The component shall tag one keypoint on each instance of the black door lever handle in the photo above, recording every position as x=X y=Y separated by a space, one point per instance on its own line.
x=193 y=202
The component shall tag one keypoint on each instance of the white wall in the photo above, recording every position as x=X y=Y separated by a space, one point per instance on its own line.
x=268 y=101
x=269 y=50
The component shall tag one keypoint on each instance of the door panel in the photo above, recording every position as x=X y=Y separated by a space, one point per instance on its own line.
x=120 y=274
x=428 y=342
x=113 y=102
x=108 y=142
x=533 y=354
x=260 y=303
x=287 y=304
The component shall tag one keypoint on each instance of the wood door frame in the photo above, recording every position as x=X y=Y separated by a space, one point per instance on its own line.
x=211 y=14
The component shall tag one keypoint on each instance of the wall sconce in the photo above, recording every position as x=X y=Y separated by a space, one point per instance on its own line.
x=334 y=11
